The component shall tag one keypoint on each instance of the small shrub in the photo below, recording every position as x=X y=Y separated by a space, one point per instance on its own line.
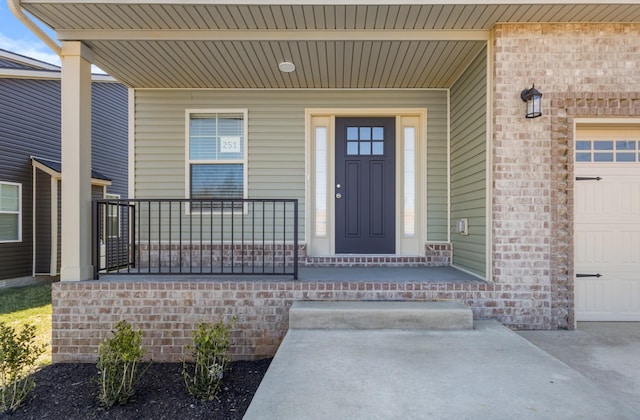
x=210 y=354
x=18 y=355
x=118 y=360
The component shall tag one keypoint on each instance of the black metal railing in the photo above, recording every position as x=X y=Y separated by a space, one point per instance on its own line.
x=195 y=236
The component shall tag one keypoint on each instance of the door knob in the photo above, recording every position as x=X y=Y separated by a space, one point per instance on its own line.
x=338 y=195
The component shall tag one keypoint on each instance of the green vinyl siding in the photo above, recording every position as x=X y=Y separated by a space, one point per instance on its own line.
x=468 y=166
x=275 y=139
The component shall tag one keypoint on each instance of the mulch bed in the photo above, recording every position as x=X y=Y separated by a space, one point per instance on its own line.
x=69 y=391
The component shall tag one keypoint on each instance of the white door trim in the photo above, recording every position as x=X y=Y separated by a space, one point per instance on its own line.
x=324 y=244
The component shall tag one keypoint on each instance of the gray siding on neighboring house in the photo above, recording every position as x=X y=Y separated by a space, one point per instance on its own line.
x=43 y=222
x=468 y=166
x=276 y=139
x=30 y=126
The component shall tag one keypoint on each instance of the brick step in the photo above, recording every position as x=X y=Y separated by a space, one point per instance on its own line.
x=367 y=315
x=365 y=261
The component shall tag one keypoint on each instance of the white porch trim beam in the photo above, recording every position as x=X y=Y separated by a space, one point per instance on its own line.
x=76 y=162
x=46 y=75
x=270 y=35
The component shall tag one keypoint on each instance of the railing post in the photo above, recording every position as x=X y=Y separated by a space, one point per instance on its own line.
x=95 y=239
x=295 y=240
x=131 y=236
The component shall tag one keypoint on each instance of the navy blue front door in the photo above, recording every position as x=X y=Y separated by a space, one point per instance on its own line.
x=365 y=186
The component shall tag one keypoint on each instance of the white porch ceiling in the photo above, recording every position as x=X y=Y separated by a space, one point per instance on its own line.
x=222 y=44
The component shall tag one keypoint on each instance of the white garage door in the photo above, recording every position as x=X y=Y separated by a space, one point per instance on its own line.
x=607 y=230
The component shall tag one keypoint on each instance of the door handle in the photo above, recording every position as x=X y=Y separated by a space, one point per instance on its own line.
x=338 y=195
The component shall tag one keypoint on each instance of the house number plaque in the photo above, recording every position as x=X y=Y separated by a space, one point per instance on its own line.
x=230 y=144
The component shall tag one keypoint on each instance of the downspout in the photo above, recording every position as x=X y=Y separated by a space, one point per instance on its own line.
x=16 y=9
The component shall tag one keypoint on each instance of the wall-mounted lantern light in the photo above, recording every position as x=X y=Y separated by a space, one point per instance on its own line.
x=533 y=98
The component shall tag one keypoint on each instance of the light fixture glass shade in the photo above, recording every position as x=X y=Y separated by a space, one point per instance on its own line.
x=286 y=67
x=533 y=98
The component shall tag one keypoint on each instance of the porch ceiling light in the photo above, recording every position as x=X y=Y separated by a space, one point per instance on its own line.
x=286 y=67
x=533 y=98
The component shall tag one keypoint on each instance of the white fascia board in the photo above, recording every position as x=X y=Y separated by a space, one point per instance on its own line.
x=29 y=74
x=45 y=169
x=58 y=176
x=8 y=55
x=47 y=75
x=271 y=35
x=100 y=182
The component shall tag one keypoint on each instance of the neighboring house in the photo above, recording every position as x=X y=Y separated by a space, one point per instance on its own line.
x=416 y=106
x=30 y=162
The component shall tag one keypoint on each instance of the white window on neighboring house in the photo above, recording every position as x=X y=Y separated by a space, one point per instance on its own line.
x=112 y=219
x=216 y=154
x=10 y=212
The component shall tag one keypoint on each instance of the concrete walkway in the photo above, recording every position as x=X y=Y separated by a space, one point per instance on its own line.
x=608 y=353
x=488 y=372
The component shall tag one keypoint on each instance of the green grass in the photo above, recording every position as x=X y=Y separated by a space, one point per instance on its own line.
x=29 y=305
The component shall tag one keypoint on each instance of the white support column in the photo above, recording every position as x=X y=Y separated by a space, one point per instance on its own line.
x=76 y=162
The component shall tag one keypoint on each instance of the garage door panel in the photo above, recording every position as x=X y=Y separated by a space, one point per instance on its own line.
x=607 y=244
x=630 y=248
x=599 y=300
x=619 y=196
x=607 y=239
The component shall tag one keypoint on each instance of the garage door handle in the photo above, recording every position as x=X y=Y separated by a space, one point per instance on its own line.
x=589 y=275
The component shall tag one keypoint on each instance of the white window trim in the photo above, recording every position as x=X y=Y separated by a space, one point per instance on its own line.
x=109 y=196
x=19 y=212
x=189 y=162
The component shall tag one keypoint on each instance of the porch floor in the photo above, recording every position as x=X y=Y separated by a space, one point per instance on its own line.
x=312 y=274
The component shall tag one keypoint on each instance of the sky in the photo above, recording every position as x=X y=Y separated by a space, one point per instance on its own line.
x=17 y=38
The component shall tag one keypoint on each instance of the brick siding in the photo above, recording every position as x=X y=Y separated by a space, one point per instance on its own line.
x=583 y=70
x=167 y=311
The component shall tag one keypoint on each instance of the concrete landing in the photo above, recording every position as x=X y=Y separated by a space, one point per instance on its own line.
x=489 y=372
x=361 y=315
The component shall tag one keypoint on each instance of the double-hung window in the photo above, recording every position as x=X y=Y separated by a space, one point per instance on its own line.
x=10 y=212
x=216 y=154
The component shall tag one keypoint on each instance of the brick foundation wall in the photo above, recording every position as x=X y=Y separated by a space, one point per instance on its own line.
x=185 y=256
x=167 y=311
x=583 y=70
x=438 y=255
